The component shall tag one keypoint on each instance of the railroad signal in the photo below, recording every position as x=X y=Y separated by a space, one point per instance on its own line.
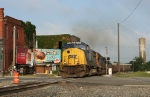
x=105 y=61
x=107 y=58
x=108 y=62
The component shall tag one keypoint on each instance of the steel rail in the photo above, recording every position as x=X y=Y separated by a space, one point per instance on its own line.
x=24 y=87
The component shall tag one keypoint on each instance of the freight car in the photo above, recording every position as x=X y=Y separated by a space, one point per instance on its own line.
x=78 y=60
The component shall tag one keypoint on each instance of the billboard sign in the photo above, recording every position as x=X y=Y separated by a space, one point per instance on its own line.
x=23 y=56
x=47 y=55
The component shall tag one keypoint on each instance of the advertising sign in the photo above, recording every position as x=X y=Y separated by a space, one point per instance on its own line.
x=47 y=55
x=23 y=56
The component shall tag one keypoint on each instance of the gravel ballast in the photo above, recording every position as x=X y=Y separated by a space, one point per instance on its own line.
x=86 y=90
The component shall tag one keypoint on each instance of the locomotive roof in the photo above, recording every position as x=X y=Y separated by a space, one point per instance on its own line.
x=77 y=43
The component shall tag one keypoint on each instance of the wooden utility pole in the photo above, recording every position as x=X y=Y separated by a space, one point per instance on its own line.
x=118 y=51
x=14 y=46
x=34 y=48
x=2 y=47
x=106 y=61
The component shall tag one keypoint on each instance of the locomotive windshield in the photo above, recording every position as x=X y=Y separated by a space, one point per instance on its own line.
x=81 y=46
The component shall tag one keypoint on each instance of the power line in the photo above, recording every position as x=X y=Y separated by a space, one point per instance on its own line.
x=130 y=31
x=125 y=32
x=133 y=33
x=131 y=12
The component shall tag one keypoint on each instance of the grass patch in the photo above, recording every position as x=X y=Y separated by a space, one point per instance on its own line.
x=54 y=72
x=27 y=74
x=133 y=74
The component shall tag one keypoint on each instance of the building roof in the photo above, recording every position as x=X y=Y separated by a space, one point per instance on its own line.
x=121 y=64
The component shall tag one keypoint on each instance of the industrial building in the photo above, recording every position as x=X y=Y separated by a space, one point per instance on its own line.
x=7 y=29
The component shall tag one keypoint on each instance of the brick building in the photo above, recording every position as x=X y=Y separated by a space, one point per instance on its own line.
x=7 y=24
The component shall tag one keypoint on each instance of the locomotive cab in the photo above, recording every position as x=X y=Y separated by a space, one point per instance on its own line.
x=80 y=45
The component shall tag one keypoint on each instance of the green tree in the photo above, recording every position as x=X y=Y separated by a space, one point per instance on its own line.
x=29 y=29
x=138 y=64
x=147 y=67
x=52 y=41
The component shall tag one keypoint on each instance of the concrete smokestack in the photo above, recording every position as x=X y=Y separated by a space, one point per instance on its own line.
x=142 y=51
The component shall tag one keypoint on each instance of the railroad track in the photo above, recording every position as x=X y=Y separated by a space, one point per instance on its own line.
x=26 y=86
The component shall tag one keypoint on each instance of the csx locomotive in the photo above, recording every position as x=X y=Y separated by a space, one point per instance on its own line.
x=78 y=60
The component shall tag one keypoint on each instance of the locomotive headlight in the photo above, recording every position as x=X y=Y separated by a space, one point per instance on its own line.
x=64 y=62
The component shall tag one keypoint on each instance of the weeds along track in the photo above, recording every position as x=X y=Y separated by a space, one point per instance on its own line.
x=26 y=86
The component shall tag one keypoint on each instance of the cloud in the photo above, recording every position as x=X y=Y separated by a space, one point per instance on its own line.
x=95 y=22
x=99 y=37
x=94 y=33
x=52 y=29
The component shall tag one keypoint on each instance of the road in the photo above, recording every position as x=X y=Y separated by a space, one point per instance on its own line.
x=97 y=80
x=103 y=80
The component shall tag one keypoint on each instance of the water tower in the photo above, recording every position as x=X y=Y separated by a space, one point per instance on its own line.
x=142 y=51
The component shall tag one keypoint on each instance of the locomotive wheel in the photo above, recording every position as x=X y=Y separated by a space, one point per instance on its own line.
x=81 y=74
x=87 y=71
x=99 y=70
x=90 y=72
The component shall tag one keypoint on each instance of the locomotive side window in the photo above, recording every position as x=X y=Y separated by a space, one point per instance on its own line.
x=87 y=47
x=82 y=46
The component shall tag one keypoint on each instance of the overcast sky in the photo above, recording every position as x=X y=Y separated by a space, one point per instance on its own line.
x=93 y=21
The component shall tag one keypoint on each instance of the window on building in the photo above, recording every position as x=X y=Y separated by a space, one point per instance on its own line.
x=12 y=34
x=6 y=33
x=17 y=34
